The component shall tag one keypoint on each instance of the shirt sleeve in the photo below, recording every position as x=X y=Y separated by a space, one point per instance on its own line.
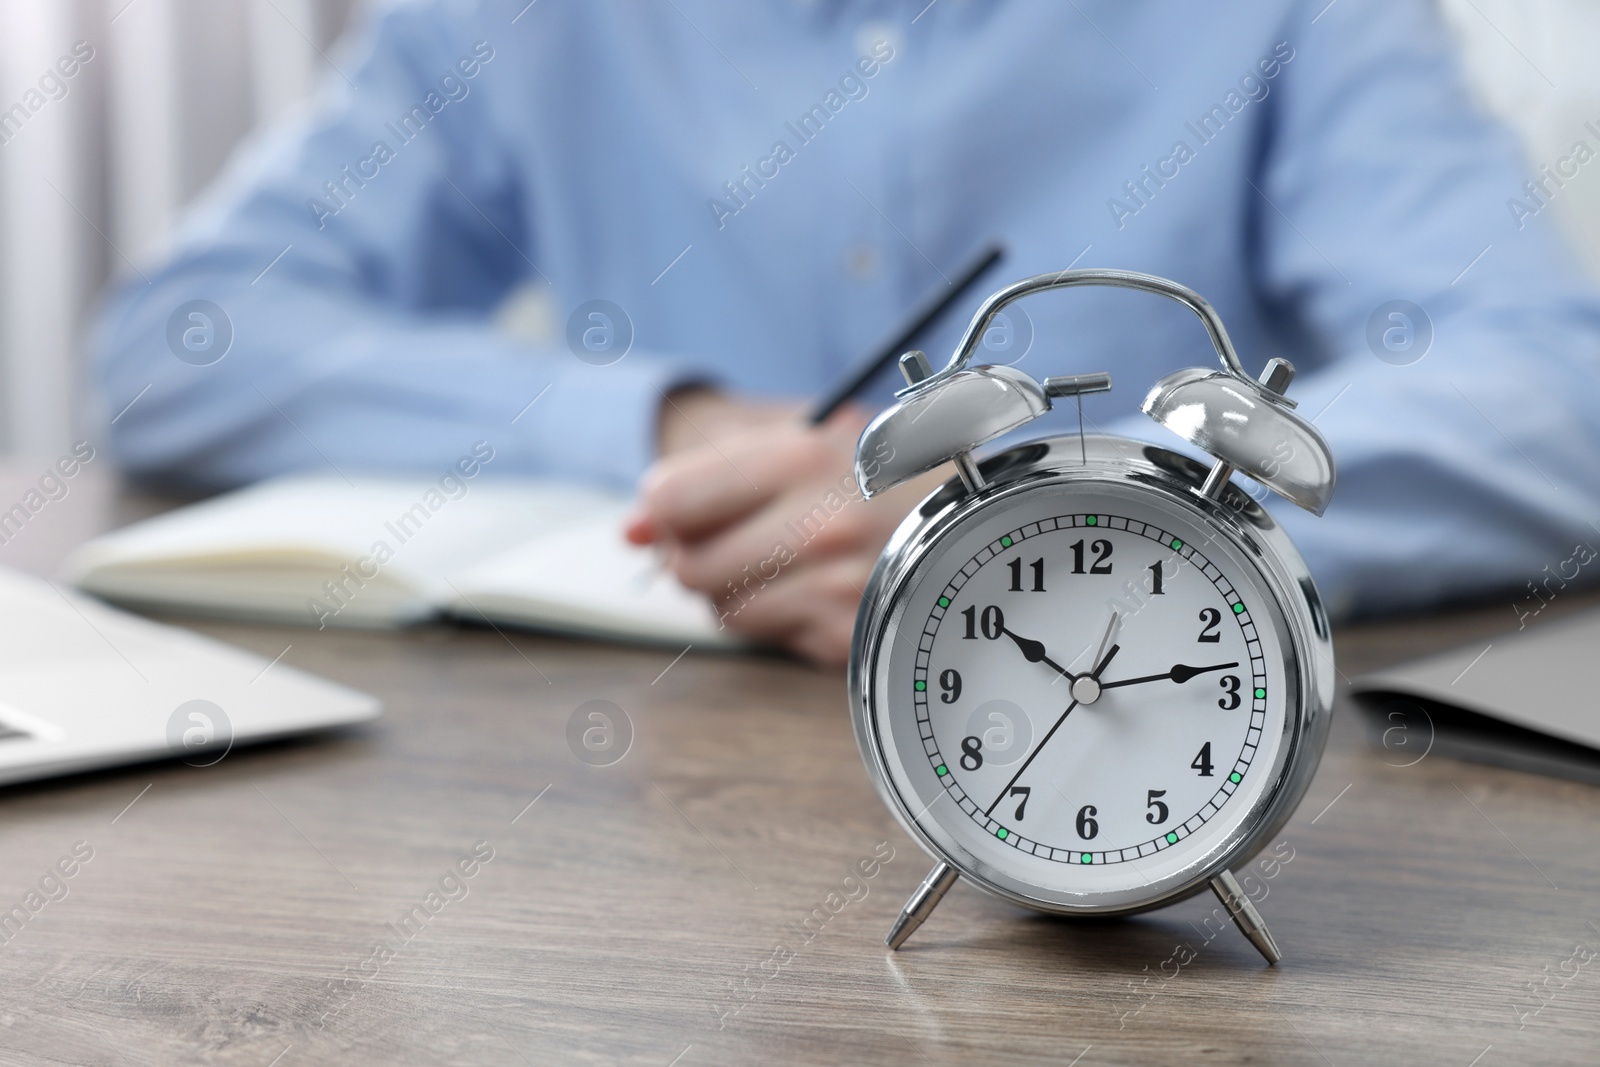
x=1465 y=438
x=343 y=273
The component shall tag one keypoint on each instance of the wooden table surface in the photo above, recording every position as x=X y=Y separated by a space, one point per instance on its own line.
x=250 y=912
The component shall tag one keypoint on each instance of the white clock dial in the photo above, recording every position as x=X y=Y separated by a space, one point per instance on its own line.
x=1087 y=691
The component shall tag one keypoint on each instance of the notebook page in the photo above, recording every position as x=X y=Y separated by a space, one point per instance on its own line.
x=263 y=551
x=585 y=578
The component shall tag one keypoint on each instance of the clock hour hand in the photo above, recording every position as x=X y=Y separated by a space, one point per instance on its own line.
x=1033 y=651
x=1180 y=673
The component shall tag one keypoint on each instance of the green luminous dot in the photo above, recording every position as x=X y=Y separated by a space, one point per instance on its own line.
x=921 y=686
x=1235 y=778
x=1176 y=543
x=1238 y=609
x=1086 y=858
x=1005 y=542
x=1261 y=694
x=1172 y=839
x=941 y=770
x=1002 y=833
x=944 y=602
x=1093 y=520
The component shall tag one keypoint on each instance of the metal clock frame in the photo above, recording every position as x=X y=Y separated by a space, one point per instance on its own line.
x=1089 y=462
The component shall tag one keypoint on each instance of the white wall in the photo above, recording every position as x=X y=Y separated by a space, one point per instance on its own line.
x=46 y=264
x=90 y=182
x=1534 y=64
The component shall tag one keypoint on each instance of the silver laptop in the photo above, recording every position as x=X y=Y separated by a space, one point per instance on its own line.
x=83 y=685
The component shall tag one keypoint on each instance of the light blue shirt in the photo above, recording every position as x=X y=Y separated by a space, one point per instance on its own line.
x=767 y=188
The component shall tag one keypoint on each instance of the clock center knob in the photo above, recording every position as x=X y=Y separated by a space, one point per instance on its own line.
x=1085 y=689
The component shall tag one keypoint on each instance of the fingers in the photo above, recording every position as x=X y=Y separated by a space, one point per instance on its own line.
x=640 y=529
x=802 y=525
x=826 y=645
x=699 y=492
x=793 y=574
x=769 y=523
x=810 y=610
x=692 y=416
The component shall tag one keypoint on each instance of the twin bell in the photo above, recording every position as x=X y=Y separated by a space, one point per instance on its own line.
x=1243 y=423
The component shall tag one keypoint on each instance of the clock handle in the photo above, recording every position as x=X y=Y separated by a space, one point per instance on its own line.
x=1121 y=279
x=922 y=903
x=1245 y=915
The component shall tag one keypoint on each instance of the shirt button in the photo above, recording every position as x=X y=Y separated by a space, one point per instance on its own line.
x=861 y=261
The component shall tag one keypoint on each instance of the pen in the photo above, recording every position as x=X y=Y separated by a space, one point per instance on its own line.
x=924 y=317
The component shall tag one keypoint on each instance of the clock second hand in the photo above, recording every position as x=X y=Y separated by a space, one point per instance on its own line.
x=1111 y=628
x=1037 y=749
x=1111 y=652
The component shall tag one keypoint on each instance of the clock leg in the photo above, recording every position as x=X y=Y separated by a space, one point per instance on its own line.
x=922 y=903
x=1245 y=915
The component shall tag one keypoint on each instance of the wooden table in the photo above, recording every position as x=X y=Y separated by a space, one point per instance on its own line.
x=629 y=912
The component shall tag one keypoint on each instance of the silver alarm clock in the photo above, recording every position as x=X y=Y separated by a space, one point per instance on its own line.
x=1091 y=675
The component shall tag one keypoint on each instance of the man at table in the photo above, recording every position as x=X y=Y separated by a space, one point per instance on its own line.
x=759 y=192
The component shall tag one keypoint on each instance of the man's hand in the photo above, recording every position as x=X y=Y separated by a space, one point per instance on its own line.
x=697 y=417
x=762 y=514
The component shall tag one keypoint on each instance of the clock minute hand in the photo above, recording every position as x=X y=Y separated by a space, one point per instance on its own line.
x=1180 y=673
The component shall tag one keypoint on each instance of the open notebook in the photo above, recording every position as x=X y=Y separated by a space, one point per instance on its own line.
x=386 y=551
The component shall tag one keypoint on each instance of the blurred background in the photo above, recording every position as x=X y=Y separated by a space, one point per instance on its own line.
x=94 y=167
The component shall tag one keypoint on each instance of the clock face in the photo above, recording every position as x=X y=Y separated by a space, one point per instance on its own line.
x=1086 y=693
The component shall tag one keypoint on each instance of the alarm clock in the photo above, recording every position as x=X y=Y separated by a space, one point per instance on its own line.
x=1091 y=675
